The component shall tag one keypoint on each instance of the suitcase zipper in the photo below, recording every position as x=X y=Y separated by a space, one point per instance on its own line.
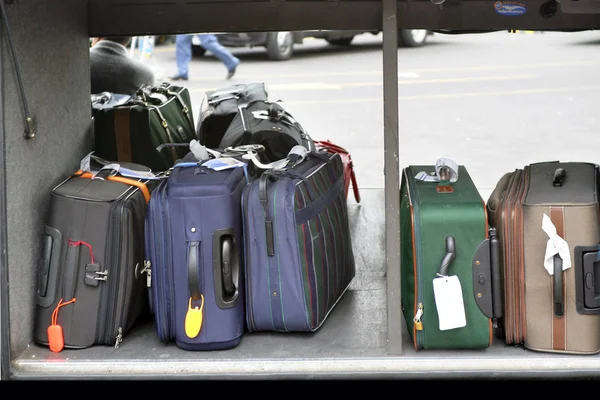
x=167 y=267
x=419 y=315
x=116 y=291
x=248 y=276
x=106 y=327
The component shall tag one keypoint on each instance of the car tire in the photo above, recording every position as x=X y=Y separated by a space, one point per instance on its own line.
x=280 y=45
x=198 y=51
x=412 y=37
x=341 y=41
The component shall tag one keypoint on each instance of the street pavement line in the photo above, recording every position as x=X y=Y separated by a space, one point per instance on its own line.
x=450 y=96
x=445 y=80
x=339 y=86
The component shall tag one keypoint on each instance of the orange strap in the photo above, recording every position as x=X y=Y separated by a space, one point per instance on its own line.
x=132 y=182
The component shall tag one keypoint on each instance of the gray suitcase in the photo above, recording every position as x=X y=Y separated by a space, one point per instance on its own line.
x=90 y=287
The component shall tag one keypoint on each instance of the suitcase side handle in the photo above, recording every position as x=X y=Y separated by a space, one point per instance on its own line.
x=587 y=279
x=487 y=283
x=48 y=268
x=226 y=268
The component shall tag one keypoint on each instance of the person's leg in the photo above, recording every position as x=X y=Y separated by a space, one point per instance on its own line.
x=211 y=43
x=183 y=54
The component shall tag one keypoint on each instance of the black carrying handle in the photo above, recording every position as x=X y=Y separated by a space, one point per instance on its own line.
x=227 y=261
x=193 y=273
x=44 y=267
x=226 y=268
x=559 y=177
x=449 y=257
x=30 y=128
x=559 y=308
x=264 y=200
x=497 y=301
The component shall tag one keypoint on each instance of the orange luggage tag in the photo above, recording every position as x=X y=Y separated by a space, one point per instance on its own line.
x=56 y=339
x=193 y=319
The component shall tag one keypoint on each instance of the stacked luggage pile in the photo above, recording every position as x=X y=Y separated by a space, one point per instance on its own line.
x=239 y=223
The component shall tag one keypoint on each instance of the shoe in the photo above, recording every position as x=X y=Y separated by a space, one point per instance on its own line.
x=178 y=77
x=231 y=73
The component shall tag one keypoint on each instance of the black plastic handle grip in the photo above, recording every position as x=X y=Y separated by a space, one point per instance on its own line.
x=559 y=308
x=449 y=257
x=559 y=177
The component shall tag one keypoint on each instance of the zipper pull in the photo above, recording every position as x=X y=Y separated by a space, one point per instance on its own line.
x=119 y=338
x=417 y=318
x=148 y=271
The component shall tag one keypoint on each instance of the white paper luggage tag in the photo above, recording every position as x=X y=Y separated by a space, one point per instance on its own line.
x=449 y=302
x=555 y=245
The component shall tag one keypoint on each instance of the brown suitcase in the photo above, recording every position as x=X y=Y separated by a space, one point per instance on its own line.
x=548 y=308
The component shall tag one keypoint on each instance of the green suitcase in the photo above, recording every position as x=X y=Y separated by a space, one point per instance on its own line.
x=137 y=130
x=444 y=236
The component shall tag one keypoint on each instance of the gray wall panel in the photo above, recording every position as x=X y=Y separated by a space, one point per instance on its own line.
x=52 y=45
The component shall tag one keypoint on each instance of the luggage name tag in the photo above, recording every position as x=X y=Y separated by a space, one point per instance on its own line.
x=56 y=340
x=448 y=292
x=193 y=318
x=555 y=245
x=449 y=302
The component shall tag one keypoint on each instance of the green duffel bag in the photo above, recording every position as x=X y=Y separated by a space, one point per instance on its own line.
x=449 y=259
x=134 y=130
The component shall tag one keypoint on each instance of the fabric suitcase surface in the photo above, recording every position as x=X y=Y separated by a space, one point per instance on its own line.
x=220 y=106
x=299 y=259
x=92 y=255
x=428 y=217
x=133 y=131
x=194 y=252
x=559 y=311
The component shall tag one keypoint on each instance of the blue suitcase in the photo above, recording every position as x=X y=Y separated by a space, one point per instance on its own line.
x=194 y=252
x=299 y=259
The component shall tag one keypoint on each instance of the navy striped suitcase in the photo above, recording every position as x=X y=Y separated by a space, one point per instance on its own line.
x=299 y=259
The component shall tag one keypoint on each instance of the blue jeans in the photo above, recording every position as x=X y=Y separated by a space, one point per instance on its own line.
x=183 y=52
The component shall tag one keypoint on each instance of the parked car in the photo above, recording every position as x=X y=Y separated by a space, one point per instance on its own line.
x=280 y=45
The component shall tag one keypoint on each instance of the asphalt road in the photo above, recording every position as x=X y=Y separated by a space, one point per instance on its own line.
x=492 y=102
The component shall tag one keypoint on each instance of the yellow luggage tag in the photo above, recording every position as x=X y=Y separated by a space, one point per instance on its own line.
x=193 y=319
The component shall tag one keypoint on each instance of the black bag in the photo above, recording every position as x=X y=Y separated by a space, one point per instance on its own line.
x=267 y=124
x=220 y=106
x=132 y=132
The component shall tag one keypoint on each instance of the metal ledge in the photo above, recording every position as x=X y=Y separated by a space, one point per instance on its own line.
x=145 y=17
x=436 y=365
